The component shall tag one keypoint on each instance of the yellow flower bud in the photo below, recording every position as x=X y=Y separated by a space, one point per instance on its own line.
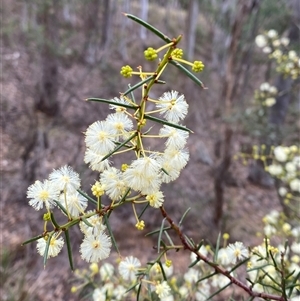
x=124 y=167
x=198 y=66
x=150 y=54
x=168 y=263
x=73 y=289
x=126 y=71
x=140 y=225
x=97 y=189
x=226 y=236
x=286 y=227
x=46 y=216
x=94 y=268
x=177 y=53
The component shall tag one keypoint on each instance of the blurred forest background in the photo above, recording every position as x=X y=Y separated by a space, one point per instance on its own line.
x=55 y=54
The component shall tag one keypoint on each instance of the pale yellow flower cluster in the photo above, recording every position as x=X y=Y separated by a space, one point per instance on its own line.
x=146 y=173
x=288 y=61
x=266 y=95
x=265 y=258
x=61 y=189
x=286 y=167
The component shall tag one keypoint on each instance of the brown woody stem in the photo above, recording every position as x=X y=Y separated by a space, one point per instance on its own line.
x=217 y=268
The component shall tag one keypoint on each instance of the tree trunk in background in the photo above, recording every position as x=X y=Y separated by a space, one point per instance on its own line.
x=92 y=30
x=220 y=175
x=105 y=23
x=279 y=110
x=192 y=18
x=68 y=12
x=220 y=36
x=247 y=56
x=25 y=17
x=231 y=79
x=144 y=16
x=46 y=101
x=123 y=36
x=28 y=17
x=170 y=12
x=244 y=8
x=294 y=30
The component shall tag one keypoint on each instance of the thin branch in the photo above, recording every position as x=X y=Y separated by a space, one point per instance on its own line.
x=217 y=268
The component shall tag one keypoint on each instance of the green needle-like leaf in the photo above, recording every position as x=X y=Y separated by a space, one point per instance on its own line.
x=88 y=296
x=177 y=126
x=138 y=85
x=293 y=285
x=275 y=288
x=32 y=239
x=160 y=235
x=132 y=287
x=144 y=209
x=86 y=222
x=169 y=238
x=131 y=94
x=122 y=200
x=218 y=291
x=184 y=215
x=158 y=230
x=190 y=241
x=238 y=265
x=274 y=281
x=273 y=259
x=194 y=263
x=267 y=247
x=188 y=73
x=164 y=171
x=69 y=249
x=111 y=233
x=200 y=245
x=111 y=102
x=217 y=248
x=62 y=208
x=149 y=27
x=290 y=274
x=119 y=147
x=87 y=196
x=207 y=277
x=162 y=271
x=258 y=267
x=249 y=280
x=150 y=294
x=56 y=225
x=47 y=248
x=138 y=292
